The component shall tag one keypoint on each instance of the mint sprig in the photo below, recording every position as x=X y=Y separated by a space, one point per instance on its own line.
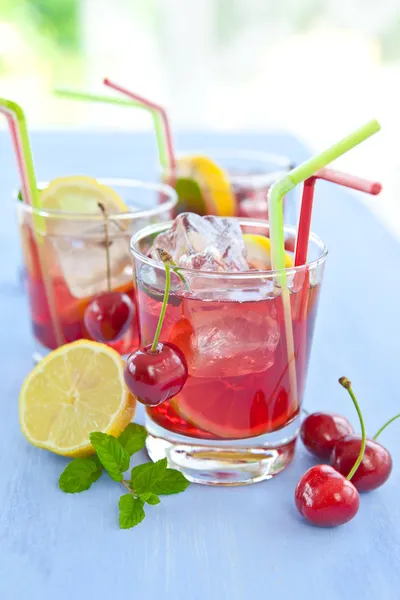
x=147 y=481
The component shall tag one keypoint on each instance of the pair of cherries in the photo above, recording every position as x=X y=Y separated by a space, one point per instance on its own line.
x=327 y=495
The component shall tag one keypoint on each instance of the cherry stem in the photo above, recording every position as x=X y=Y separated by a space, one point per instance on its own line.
x=378 y=433
x=107 y=244
x=165 y=257
x=346 y=383
x=305 y=412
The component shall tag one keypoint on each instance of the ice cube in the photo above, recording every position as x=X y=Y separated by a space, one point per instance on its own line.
x=230 y=338
x=203 y=243
x=82 y=259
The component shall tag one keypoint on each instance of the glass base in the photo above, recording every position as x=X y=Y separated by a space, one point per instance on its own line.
x=224 y=463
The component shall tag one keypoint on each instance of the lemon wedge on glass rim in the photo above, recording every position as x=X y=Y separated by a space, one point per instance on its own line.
x=203 y=187
x=75 y=197
x=80 y=194
x=75 y=390
x=258 y=252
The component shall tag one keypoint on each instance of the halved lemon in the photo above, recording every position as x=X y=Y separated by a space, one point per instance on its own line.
x=76 y=389
x=80 y=194
x=258 y=252
x=203 y=187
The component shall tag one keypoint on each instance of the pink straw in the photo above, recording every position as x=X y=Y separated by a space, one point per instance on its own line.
x=344 y=179
x=18 y=153
x=153 y=107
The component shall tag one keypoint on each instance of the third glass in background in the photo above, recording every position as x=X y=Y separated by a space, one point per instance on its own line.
x=246 y=176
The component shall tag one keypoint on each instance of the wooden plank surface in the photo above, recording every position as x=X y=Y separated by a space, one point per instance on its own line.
x=237 y=544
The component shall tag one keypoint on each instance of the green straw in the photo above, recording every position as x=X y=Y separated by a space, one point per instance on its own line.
x=275 y=210
x=158 y=127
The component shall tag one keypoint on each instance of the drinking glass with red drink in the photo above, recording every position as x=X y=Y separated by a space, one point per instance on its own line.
x=82 y=247
x=236 y=418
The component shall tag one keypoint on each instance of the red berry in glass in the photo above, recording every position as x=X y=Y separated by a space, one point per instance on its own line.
x=108 y=316
x=324 y=496
x=320 y=432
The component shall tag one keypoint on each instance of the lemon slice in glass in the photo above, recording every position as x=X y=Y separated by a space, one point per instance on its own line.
x=258 y=252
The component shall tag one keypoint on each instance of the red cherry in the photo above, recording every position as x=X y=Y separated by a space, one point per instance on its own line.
x=108 y=316
x=325 y=498
x=375 y=467
x=154 y=377
x=320 y=431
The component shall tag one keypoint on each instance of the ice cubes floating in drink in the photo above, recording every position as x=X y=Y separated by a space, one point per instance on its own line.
x=82 y=258
x=204 y=243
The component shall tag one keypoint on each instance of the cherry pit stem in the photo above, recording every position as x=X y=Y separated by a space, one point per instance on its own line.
x=346 y=383
x=107 y=244
x=378 y=433
x=166 y=259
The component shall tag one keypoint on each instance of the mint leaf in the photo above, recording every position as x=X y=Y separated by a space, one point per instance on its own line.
x=133 y=438
x=79 y=475
x=131 y=511
x=150 y=498
x=172 y=482
x=111 y=454
x=144 y=477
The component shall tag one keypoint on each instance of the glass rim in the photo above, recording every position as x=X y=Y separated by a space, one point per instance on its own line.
x=282 y=163
x=119 y=216
x=160 y=227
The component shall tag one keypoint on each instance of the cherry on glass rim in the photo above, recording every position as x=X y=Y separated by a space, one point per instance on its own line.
x=154 y=377
x=159 y=371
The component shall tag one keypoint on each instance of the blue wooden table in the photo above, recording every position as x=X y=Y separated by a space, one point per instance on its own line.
x=234 y=543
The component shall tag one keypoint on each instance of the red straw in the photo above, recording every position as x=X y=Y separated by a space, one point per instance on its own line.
x=153 y=107
x=344 y=179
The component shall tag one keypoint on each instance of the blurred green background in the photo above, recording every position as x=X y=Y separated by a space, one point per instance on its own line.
x=317 y=68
